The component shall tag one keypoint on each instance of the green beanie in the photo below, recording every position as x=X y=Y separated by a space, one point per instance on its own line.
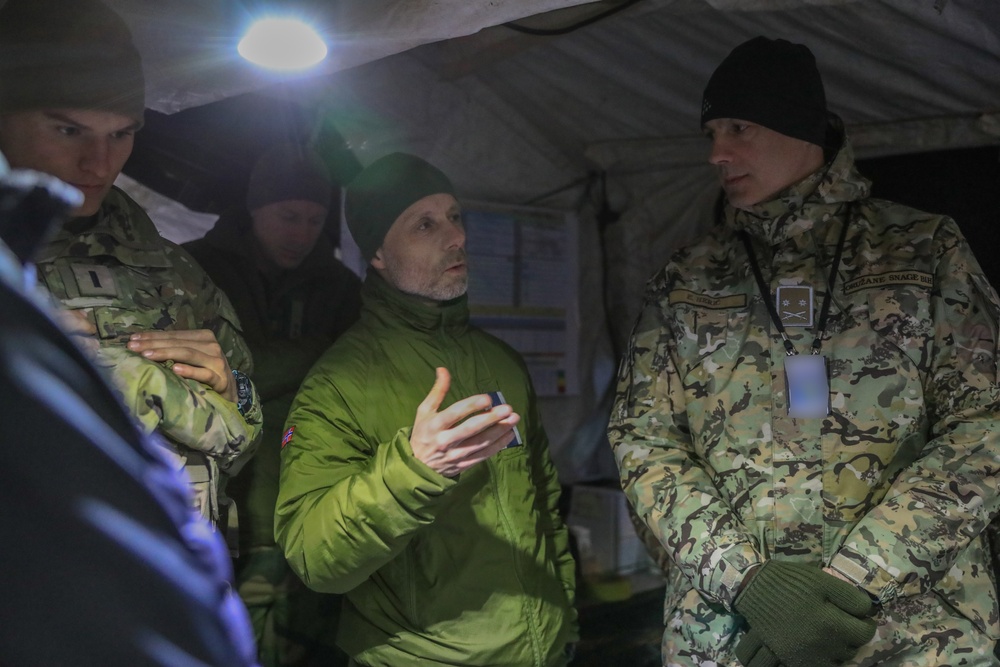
x=383 y=190
x=73 y=54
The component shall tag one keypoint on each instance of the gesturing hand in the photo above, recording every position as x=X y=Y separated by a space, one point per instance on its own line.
x=449 y=447
x=196 y=354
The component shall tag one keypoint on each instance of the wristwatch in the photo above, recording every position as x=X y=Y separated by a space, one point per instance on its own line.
x=244 y=392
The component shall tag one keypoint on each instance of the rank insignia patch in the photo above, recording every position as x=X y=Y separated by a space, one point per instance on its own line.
x=795 y=305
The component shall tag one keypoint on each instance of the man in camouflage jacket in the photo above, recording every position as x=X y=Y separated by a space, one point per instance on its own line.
x=144 y=283
x=888 y=493
x=71 y=100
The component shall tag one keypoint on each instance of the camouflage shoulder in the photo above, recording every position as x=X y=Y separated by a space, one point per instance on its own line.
x=215 y=310
x=128 y=219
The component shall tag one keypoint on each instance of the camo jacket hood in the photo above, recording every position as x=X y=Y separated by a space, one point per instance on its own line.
x=893 y=488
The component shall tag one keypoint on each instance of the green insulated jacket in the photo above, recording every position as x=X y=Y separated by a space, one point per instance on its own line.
x=474 y=570
x=894 y=489
x=117 y=269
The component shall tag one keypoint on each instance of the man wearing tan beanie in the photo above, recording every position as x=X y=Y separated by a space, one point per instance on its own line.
x=71 y=100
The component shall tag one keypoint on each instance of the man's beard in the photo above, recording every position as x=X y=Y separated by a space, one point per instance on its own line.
x=433 y=284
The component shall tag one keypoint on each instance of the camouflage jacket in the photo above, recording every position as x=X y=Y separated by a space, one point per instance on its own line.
x=893 y=489
x=127 y=278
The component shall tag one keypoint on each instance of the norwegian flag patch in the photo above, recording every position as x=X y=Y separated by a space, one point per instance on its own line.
x=287 y=438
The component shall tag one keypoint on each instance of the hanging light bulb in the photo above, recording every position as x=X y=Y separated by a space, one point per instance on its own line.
x=282 y=44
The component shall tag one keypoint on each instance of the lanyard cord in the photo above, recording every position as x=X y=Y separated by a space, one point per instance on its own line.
x=766 y=293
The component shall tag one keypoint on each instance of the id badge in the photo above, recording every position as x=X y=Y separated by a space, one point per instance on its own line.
x=808 y=386
x=497 y=398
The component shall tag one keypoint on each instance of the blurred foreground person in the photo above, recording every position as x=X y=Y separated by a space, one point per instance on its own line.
x=103 y=560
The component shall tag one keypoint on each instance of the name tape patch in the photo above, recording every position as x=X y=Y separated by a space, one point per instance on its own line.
x=915 y=278
x=706 y=300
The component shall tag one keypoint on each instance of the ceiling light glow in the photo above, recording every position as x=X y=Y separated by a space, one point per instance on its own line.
x=282 y=44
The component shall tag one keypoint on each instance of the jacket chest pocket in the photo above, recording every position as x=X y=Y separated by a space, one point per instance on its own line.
x=121 y=299
x=900 y=317
x=708 y=340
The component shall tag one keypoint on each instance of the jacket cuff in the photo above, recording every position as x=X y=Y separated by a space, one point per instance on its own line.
x=728 y=565
x=411 y=477
x=866 y=575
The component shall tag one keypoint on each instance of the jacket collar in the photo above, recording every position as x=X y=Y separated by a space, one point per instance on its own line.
x=119 y=218
x=392 y=306
x=798 y=208
x=119 y=228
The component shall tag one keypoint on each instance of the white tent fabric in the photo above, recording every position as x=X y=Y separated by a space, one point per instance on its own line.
x=189 y=53
x=520 y=118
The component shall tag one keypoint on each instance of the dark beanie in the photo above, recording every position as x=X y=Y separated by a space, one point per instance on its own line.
x=773 y=83
x=383 y=190
x=74 y=54
x=285 y=172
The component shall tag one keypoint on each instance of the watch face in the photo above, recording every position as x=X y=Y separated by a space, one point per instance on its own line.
x=244 y=392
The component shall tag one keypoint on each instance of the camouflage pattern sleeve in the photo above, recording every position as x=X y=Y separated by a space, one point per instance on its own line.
x=214 y=311
x=649 y=540
x=922 y=531
x=668 y=486
x=184 y=410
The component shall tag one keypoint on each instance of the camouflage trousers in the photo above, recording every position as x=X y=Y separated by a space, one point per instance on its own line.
x=293 y=626
x=912 y=632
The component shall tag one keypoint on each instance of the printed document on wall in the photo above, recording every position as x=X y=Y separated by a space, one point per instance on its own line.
x=523 y=284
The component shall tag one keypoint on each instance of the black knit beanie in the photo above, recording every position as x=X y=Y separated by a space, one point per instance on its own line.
x=75 y=54
x=383 y=190
x=771 y=82
x=285 y=172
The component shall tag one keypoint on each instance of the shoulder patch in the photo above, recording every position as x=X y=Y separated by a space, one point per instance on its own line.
x=707 y=300
x=892 y=278
x=286 y=439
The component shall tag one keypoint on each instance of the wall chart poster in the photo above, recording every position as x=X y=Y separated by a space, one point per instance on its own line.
x=523 y=283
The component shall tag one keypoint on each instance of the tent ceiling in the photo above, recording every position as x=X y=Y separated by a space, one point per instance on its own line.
x=516 y=116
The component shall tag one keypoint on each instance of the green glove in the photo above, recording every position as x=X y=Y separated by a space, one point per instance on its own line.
x=752 y=652
x=806 y=617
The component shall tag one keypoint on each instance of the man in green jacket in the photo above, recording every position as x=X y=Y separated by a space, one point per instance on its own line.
x=436 y=513
x=72 y=98
x=807 y=418
x=294 y=298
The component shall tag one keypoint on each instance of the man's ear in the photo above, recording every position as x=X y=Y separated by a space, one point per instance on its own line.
x=377 y=260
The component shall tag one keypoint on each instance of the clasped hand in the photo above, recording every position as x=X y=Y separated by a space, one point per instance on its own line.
x=460 y=436
x=800 y=616
x=196 y=354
